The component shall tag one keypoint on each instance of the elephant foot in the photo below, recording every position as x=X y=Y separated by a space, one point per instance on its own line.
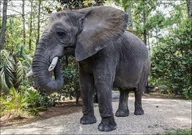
x=139 y=111
x=107 y=124
x=88 y=119
x=122 y=113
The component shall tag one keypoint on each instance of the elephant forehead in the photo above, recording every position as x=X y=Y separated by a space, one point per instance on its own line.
x=57 y=16
x=60 y=17
x=59 y=25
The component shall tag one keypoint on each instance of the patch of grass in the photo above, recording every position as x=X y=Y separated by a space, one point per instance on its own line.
x=180 y=132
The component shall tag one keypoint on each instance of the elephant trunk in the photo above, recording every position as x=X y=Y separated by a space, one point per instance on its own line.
x=50 y=82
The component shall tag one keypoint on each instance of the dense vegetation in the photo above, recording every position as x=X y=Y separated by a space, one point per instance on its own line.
x=164 y=26
x=171 y=61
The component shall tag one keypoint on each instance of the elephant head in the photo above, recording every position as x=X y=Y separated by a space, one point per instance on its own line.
x=86 y=30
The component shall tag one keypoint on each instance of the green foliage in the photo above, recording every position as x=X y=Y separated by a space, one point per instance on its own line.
x=13 y=34
x=14 y=62
x=71 y=79
x=11 y=71
x=125 y=4
x=77 y=4
x=142 y=16
x=25 y=100
x=180 y=132
x=15 y=103
x=171 y=61
x=37 y=102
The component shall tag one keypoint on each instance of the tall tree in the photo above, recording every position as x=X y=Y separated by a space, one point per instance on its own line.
x=130 y=21
x=189 y=7
x=127 y=7
x=142 y=18
x=30 y=25
x=0 y=7
x=38 y=21
x=0 y=12
x=4 y=22
x=144 y=22
x=23 y=17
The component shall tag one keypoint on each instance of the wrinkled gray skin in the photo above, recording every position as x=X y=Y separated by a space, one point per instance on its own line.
x=108 y=57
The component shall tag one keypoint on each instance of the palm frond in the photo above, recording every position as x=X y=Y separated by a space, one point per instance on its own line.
x=12 y=71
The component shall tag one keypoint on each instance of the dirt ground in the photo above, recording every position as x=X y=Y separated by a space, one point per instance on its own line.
x=62 y=108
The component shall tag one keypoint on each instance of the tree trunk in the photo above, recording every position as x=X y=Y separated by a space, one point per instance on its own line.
x=0 y=7
x=4 y=22
x=149 y=47
x=144 y=22
x=189 y=7
x=30 y=26
x=0 y=15
x=23 y=17
x=130 y=21
x=38 y=23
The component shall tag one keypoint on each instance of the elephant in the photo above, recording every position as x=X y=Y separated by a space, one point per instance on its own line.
x=108 y=57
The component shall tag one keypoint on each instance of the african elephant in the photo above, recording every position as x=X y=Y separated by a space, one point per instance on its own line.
x=108 y=57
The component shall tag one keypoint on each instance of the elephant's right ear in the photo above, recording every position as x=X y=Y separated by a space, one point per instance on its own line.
x=99 y=25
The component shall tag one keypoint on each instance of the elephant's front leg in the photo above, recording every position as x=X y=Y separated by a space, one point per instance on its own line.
x=87 y=90
x=103 y=84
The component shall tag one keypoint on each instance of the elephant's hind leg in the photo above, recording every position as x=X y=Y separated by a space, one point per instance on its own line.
x=138 y=103
x=87 y=90
x=140 y=89
x=123 y=110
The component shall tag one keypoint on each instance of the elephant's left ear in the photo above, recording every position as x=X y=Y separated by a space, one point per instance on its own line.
x=99 y=26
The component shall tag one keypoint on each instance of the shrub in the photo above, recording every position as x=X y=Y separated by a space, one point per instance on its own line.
x=12 y=71
x=71 y=79
x=14 y=103
x=171 y=61
x=24 y=101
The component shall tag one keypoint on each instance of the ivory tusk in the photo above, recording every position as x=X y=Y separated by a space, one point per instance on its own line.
x=53 y=63
x=30 y=73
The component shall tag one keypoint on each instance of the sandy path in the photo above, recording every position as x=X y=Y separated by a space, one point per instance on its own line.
x=161 y=115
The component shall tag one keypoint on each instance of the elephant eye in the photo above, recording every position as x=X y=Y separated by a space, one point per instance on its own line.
x=61 y=34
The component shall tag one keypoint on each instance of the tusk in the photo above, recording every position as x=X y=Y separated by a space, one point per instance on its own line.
x=53 y=63
x=30 y=73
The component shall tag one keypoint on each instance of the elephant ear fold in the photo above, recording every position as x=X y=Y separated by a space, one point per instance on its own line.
x=99 y=26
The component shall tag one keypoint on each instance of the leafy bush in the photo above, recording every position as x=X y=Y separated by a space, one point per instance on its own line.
x=24 y=101
x=71 y=79
x=171 y=61
x=14 y=103
x=12 y=71
x=37 y=102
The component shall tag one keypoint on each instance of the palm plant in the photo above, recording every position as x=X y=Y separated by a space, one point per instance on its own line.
x=12 y=71
x=37 y=102
x=14 y=103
